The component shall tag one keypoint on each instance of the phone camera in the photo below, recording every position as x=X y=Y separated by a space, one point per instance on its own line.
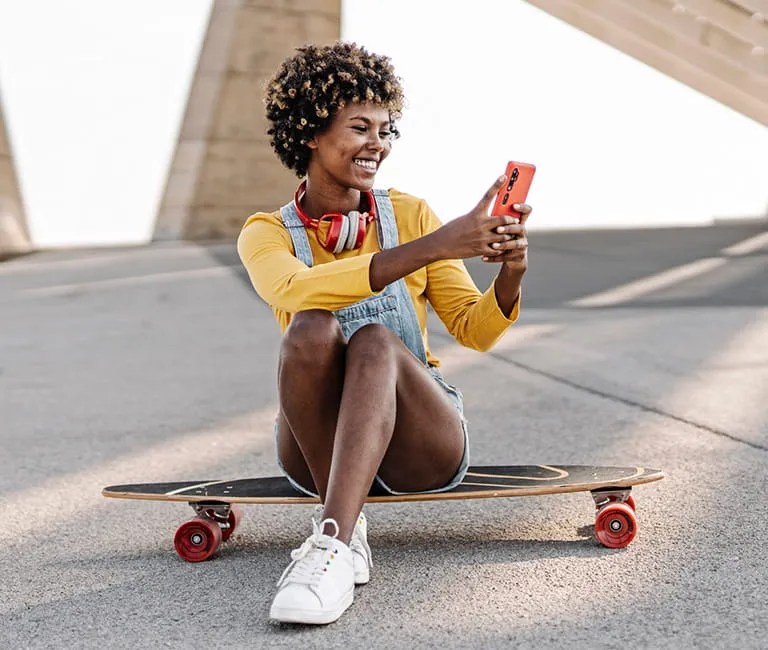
x=512 y=178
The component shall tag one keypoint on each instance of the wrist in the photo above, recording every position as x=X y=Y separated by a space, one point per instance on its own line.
x=433 y=247
x=512 y=271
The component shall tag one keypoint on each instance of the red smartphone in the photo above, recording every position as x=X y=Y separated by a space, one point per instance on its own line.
x=519 y=178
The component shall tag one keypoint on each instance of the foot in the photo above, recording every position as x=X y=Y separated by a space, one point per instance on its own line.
x=358 y=544
x=361 y=552
x=318 y=585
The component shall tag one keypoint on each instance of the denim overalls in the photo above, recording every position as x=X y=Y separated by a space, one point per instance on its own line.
x=392 y=307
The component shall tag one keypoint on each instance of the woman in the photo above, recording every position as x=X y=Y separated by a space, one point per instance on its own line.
x=348 y=271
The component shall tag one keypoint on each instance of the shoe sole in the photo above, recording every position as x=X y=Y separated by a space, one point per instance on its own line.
x=362 y=577
x=312 y=617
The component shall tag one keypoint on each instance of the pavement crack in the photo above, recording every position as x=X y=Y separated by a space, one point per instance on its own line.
x=625 y=400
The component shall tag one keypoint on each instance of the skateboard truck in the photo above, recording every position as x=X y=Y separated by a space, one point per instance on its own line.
x=603 y=496
x=213 y=510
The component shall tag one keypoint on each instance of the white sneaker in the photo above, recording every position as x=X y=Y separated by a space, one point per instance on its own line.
x=358 y=544
x=318 y=585
x=361 y=552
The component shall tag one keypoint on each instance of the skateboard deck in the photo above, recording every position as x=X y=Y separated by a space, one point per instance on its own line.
x=216 y=501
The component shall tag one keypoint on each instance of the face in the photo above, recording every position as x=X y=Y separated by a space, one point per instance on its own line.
x=351 y=150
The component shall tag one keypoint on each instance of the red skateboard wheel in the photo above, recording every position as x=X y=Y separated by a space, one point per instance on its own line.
x=616 y=525
x=197 y=539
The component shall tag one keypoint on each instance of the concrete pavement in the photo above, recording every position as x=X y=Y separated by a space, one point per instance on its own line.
x=158 y=363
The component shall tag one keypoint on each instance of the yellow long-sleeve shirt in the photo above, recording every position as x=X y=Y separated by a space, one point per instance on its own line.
x=287 y=285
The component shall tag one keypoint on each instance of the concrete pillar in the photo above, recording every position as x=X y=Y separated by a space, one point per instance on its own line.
x=14 y=238
x=224 y=169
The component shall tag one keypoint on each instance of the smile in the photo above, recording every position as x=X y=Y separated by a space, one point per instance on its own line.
x=370 y=165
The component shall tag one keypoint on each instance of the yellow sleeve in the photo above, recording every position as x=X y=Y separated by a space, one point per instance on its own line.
x=284 y=282
x=473 y=318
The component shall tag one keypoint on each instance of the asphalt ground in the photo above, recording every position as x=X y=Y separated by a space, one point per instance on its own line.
x=158 y=363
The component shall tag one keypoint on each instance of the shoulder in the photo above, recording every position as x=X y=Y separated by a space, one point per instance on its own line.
x=413 y=210
x=403 y=202
x=263 y=218
x=263 y=229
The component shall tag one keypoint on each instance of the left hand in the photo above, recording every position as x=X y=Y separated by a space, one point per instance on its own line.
x=514 y=251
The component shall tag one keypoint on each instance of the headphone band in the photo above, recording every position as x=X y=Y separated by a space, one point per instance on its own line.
x=313 y=223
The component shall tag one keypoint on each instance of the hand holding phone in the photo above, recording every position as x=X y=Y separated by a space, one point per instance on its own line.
x=519 y=178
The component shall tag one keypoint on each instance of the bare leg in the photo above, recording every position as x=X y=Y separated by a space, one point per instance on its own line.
x=310 y=381
x=394 y=419
x=351 y=410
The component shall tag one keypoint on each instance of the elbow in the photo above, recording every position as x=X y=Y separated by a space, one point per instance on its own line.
x=473 y=343
x=478 y=346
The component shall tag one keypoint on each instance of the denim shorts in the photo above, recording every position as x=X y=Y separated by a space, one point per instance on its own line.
x=380 y=487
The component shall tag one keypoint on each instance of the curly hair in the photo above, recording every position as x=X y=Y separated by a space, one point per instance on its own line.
x=312 y=85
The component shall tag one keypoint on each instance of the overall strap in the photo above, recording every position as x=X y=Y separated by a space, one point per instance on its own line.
x=297 y=232
x=385 y=219
x=388 y=236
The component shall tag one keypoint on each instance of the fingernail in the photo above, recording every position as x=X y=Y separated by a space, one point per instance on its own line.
x=501 y=179
x=500 y=229
x=495 y=245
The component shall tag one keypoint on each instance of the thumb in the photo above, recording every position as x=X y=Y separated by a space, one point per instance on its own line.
x=487 y=201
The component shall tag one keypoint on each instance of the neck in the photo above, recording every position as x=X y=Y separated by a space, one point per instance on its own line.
x=321 y=198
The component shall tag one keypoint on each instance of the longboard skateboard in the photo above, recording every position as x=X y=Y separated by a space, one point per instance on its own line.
x=216 y=503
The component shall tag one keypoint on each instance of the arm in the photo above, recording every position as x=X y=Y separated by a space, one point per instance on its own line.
x=471 y=235
x=286 y=283
x=475 y=319
x=507 y=288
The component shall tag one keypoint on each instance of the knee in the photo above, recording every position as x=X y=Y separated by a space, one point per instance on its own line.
x=374 y=344
x=312 y=334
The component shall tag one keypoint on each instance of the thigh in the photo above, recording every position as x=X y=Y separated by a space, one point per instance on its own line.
x=428 y=443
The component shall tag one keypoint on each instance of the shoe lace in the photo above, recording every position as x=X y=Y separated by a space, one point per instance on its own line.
x=357 y=543
x=307 y=566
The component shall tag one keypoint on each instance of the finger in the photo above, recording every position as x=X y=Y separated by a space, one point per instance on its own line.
x=490 y=195
x=513 y=245
x=524 y=209
x=512 y=229
x=508 y=259
x=503 y=221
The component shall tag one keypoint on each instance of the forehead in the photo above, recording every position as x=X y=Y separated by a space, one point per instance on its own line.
x=364 y=111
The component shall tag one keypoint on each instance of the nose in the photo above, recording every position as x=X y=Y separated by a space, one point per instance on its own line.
x=376 y=142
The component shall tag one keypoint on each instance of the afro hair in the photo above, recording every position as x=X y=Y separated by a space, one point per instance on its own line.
x=313 y=84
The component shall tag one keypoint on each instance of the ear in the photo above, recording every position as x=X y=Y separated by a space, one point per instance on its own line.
x=312 y=144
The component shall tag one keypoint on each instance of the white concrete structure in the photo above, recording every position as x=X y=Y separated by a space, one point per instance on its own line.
x=128 y=122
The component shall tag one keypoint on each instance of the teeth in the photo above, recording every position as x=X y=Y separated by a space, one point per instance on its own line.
x=368 y=164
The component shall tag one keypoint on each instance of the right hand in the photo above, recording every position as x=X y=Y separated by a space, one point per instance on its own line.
x=473 y=234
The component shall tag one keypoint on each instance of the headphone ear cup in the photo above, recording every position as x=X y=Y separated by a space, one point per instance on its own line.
x=361 y=226
x=354 y=219
x=343 y=234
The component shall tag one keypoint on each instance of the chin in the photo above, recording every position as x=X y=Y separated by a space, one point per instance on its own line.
x=366 y=184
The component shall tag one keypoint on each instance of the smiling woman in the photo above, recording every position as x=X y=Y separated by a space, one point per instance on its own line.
x=348 y=270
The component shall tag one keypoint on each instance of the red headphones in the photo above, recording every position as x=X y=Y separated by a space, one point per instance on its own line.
x=337 y=231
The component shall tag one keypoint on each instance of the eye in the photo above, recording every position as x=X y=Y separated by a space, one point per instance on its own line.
x=359 y=129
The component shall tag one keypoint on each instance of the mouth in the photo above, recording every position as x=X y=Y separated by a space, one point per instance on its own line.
x=368 y=165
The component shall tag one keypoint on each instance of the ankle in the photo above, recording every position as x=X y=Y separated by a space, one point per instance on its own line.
x=344 y=530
